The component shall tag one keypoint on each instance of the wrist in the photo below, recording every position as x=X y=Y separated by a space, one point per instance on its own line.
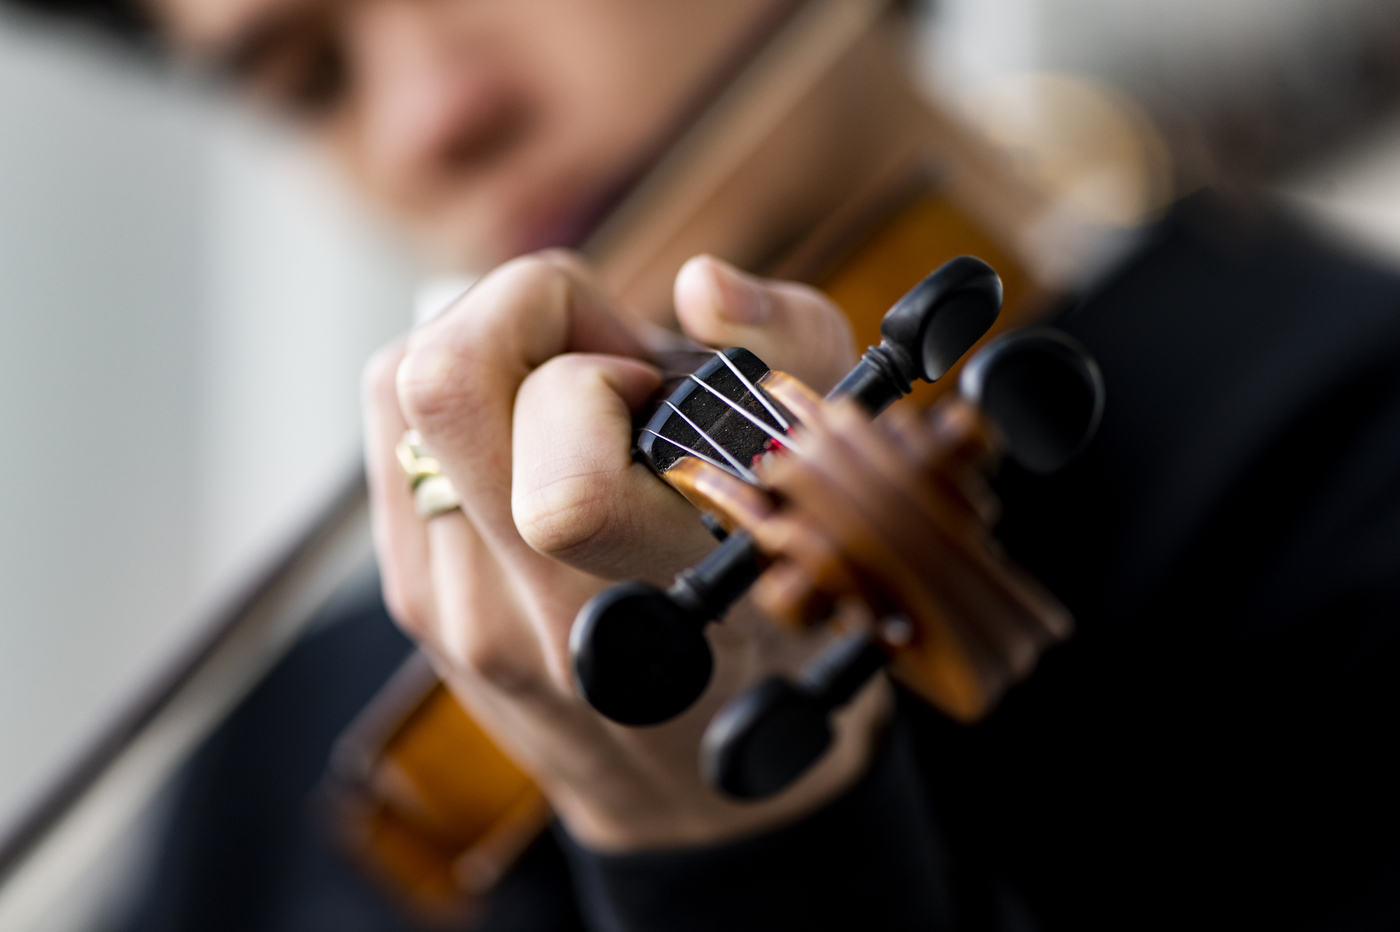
x=871 y=858
x=622 y=816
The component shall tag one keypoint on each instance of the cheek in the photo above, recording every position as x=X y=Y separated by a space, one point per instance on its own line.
x=602 y=82
x=480 y=208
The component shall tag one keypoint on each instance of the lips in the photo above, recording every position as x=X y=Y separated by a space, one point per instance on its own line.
x=573 y=219
x=566 y=226
x=531 y=206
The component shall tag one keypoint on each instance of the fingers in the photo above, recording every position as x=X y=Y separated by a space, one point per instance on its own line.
x=534 y=431
x=458 y=379
x=790 y=327
x=399 y=536
x=502 y=605
x=577 y=495
x=440 y=582
x=478 y=630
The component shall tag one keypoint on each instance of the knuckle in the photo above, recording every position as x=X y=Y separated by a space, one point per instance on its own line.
x=443 y=373
x=567 y=516
x=538 y=279
x=380 y=370
x=491 y=644
x=409 y=610
x=430 y=382
x=491 y=661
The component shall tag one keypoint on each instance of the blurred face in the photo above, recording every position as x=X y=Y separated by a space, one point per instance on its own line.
x=496 y=127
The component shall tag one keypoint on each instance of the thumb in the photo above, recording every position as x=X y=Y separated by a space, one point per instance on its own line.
x=791 y=327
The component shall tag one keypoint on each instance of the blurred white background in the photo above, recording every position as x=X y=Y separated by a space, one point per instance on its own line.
x=186 y=299
x=1300 y=61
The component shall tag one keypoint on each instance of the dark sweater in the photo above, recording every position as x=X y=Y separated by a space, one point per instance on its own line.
x=1214 y=744
x=1212 y=748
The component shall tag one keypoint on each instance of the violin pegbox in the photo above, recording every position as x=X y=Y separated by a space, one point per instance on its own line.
x=638 y=653
x=719 y=416
x=972 y=623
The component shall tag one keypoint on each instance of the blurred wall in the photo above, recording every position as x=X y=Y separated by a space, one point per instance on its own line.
x=186 y=301
x=1302 y=95
x=1179 y=44
x=1270 y=86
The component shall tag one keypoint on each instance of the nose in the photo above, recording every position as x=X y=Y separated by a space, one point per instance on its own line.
x=431 y=94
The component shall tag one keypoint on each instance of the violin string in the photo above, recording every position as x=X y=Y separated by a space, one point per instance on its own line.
x=695 y=453
x=754 y=390
x=758 y=422
x=744 y=470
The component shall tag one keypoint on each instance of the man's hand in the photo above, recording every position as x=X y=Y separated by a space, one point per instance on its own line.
x=524 y=391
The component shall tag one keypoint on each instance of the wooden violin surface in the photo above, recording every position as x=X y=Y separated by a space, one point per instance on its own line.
x=902 y=514
x=426 y=802
x=884 y=530
x=465 y=807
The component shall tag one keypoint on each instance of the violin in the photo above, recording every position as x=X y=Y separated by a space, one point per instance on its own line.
x=961 y=622
x=419 y=792
x=895 y=520
x=639 y=655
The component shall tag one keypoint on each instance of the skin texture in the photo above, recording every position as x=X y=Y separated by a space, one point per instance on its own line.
x=524 y=390
x=491 y=127
x=494 y=128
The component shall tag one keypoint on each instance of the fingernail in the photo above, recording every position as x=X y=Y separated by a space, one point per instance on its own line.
x=738 y=298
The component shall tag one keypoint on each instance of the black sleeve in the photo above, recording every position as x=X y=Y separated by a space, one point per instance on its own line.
x=1213 y=740
x=872 y=859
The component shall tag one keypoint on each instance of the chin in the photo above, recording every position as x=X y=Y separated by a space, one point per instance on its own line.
x=562 y=210
x=484 y=227
x=565 y=223
x=468 y=241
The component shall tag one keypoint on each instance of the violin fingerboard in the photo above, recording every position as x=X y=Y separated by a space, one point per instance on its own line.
x=715 y=414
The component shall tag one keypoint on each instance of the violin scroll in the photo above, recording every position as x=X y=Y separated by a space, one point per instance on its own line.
x=724 y=419
x=905 y=516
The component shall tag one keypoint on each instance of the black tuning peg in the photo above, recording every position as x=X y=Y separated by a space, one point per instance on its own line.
x=925 y=333
x=1044 y=393
x=769 y=735
x=1042 y=390
x=639 y=654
